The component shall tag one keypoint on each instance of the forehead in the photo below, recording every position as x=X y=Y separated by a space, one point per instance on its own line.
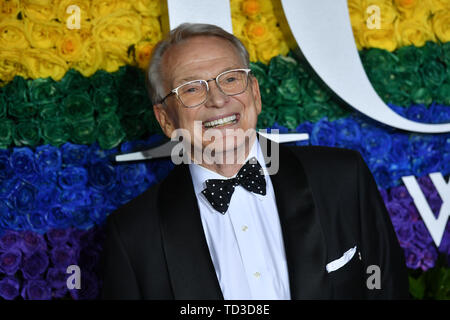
x=199 y=56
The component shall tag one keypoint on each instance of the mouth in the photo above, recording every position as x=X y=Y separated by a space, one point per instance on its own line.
x=222 y=122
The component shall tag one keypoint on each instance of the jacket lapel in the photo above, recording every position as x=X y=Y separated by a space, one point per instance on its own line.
x=189 y=263
x=304 y=241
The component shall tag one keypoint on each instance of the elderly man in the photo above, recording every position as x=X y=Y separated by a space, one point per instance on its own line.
x=218 y=229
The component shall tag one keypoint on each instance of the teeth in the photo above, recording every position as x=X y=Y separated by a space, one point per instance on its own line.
x=221 y=121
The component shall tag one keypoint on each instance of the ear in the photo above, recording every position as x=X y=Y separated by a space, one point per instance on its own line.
x=256 y=93
x=163 y=119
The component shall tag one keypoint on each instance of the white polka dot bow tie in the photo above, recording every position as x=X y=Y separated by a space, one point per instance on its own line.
x=219 y=191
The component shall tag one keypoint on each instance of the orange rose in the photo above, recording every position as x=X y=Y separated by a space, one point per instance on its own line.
x=143 y=52
x=251 y=7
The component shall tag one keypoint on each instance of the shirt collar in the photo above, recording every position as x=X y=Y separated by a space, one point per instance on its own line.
x=200 y=174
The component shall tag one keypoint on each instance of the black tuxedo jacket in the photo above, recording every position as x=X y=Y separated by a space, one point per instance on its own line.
x=327 y=202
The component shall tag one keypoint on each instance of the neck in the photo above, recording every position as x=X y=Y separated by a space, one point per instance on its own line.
x=232 y=160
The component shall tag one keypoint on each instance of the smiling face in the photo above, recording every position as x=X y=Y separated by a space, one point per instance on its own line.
x=205 y=57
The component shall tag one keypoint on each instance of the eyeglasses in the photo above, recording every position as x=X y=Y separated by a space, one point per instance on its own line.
x=194 y=93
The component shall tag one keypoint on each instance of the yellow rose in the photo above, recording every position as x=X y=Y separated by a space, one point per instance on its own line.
x=257 y=32
x=142 y=54
x=413 y=32
x=151 y=29
x=121 y=27
x=238 y=26
x=356 y=12
x=44 y=63
x=147 y=7
x=101 y=8
x=267 y=50
x=441 y=25
x=42 y=35
x=438 y=5
x=250 y=48
x=378 y=38
x=388 y=13
x=39 y=10
x=235 y=7
x=12 y=35
x=84 y=11
x=9 y=9
x=89 y=60
x=69 y=46
x=11 y=64
x=413 y=8
x=115 y=55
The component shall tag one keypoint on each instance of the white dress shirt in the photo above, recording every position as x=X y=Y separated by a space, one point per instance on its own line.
x=246 y=243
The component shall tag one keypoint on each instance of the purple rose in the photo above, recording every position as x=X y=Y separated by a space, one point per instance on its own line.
x=32 y=242
x=404 y=234
x=36 y=290
x=429 y=258
x=89 y=258
x=62 y=256
x=444 y=247
x=89 y=287
x=34 y=265
x=422 y=235
x=400 y=193
x=412 y=258
x=10 y=240
x=57 y=277
x=58 y=236
x=435 y=202
x=398 y=212
x=384 y=195
x=10 y=261
x=9 y=288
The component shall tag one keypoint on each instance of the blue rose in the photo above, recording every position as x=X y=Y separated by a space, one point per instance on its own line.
x=102 y=176
x=99 y=214
x=381 y=175
x=131 y=174
x=73 y=177
x=81 y=218
x=37 y=220
x=376 y=143
x=427 y=163
x=97 y=154
x=348 y=133
x=10 y=261
x=5 y=167
x=439 y=114
x=398 y=109
x=74 y=154
x=34 y=265
x=158 y=169
x=323 y=133
x=22 y=161
x=59 y=217
x=47 y=195
x=36 y=290
x=418 y=113
x=48 y=159
x=445 y=164
x=421 y=145
x=24 y=197
x=75 y=198
x=9 y=219
x=9 y=288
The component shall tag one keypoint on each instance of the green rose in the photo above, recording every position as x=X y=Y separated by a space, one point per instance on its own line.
x=51 y=111
x=44 y=91
x=134 y=127
x=151 y=123
x=282 y=67
x=433 y=74
x=27 y=133
x=73 y=82
x=105 y=101
x=304 y=71
x=421 y=96
x=110 y=132
x=410 y=59
x=313 y=111
x=17 y=90
x=431 y=51
x=55 y=132
x=336 y=110
x=259 y=70
x=289 y=116
x=378 y=59
x=442 y=94
x=3 y=106
x=317 y=90
x=22 y=110
x=83 y=131
x=77 y=107
x=446 y=54
x=6 y=132
x=133 y=102
x=103 y=80
x=267 y=117
x=289 y=91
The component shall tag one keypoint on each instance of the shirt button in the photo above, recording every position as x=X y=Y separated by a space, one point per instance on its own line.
x=244 y=228
x=257 y=274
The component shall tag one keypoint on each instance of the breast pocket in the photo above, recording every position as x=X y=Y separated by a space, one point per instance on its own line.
x=347 y=278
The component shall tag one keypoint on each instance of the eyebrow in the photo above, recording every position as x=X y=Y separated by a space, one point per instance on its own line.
x=186 y=79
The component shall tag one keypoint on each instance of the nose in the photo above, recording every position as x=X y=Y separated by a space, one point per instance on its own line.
x=216 y=98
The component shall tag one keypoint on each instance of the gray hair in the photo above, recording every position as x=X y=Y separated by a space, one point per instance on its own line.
x=185 y=31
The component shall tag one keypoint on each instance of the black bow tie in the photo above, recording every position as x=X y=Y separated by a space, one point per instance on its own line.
x=219 y=191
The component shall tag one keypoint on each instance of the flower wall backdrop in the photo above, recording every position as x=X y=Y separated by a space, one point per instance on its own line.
x=72 y=98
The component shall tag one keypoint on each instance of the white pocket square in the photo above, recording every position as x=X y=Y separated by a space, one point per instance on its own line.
x=339 y=263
